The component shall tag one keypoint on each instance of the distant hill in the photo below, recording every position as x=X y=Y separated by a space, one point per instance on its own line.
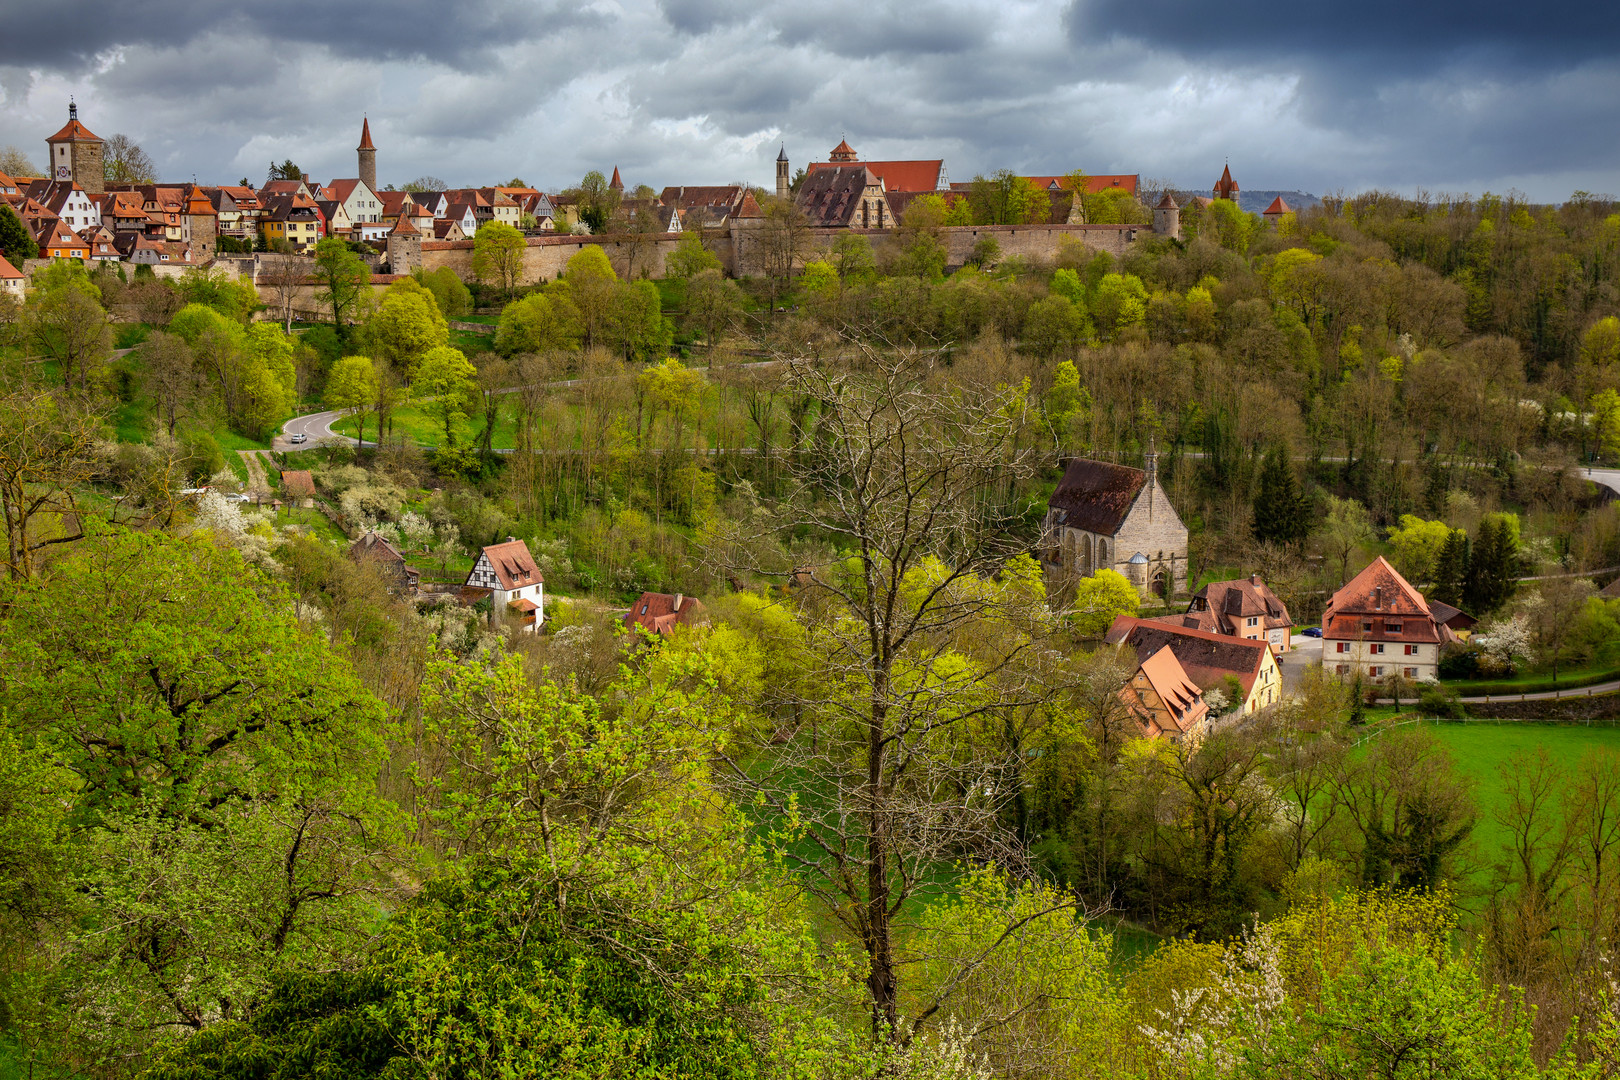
x=1256 y=201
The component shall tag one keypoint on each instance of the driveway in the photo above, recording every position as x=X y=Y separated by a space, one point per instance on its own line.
x=1303 y=652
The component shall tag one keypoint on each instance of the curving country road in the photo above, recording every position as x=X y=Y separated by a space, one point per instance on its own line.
x=317 y=426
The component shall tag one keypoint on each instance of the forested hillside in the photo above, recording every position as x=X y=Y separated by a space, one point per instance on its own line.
x=268 y=811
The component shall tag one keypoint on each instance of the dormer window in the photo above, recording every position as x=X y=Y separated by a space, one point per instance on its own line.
x=1391 y=627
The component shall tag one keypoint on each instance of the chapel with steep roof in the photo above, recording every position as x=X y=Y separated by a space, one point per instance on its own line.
x=1114 y=517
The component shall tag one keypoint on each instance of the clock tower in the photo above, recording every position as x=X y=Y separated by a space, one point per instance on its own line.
x=75 y=155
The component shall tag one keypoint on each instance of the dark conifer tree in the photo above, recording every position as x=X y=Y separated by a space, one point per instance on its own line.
x=1492 y=566
x=1281 y=513
x=1451 y=569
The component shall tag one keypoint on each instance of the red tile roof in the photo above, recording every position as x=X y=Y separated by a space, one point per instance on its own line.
x=7 y=270
x=896 y=175
x=365 y=135
x=843 y=152
x=1183 y=701
x=1207 y=658
x=1226 y=187
x=1380 y=595
x=662 y=612
x=1278 y=207
x=616 y=184
x=1096 y=496
x=1130 y=182
x=513 y=565
x=74 y=131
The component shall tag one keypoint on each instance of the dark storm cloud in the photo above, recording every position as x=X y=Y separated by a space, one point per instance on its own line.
x=72 y=32
x=1395 y=94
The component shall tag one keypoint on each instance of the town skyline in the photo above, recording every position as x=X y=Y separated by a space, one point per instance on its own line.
x=692 y=92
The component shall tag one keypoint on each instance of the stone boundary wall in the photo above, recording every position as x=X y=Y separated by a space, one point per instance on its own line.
x=546 y=257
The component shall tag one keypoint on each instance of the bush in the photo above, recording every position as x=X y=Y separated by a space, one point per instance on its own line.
x=204 y=458
x=1437 y=700
x=1459 y=663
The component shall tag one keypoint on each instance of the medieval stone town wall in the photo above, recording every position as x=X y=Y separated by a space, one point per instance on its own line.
x=740 y=251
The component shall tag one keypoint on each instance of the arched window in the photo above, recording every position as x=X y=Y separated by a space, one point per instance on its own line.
x=1161 y=585
x=1086 y=565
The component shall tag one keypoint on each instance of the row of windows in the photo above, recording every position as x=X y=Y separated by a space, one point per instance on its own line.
x=1375 y=647
x=1389 y=627
x=1375 y=671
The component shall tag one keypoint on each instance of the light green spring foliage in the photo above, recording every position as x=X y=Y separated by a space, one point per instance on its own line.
x=235 y=298
x=445 y=380
x=539 y=322
x=690 y=258
x=819 y=277
x=251 y=366
x=1100 y=599
x=1417 y=545
x=1120 y=301
x=1606 y=420
x=405 y=326
x=214 y=809
x=450 y=293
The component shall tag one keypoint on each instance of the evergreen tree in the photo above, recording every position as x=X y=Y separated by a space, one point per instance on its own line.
x=15 y=243
x=1451 y=569
x=1281 y=513
x=1493 y=565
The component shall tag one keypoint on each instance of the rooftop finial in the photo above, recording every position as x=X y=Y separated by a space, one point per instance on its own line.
x=73 y=108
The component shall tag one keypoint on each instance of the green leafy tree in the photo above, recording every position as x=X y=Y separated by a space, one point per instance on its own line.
x=539 y=322
x=690 y=258
x=223 y=805
x=16 y=242
x=405 y=326
x=498 y=255
x=1120 y=300
x=1346 y=529
x=64 y=323
x=1282 y=513
x=444 y=381
x=1100 y=599
x=1606 y=421
x=714 y=303
x=1065 y=406
x=352 y=387
x=450 y=293
x=1417 y=545
x=341 y=277
x=591 y=286
x=637 y=327
x=1054 y=325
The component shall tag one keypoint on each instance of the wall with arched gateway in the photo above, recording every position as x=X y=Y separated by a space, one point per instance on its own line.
x=739 y=249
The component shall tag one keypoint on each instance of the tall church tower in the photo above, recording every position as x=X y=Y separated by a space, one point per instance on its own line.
x=783 y=184
x=368 y=155
x=75 y=154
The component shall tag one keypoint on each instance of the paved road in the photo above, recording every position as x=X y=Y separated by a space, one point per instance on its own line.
x=317 y=426
x=1609 y=478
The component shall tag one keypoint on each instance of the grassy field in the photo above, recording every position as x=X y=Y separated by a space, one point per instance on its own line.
x=1481 y=748
x=1569 y=678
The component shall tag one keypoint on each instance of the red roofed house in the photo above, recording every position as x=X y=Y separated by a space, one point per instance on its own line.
x=896 y=175
x=514 y=583
x=1380 y=626
x=1106 y=516
x=1207 y=658
x=1165 y=700
x=1244 y=608
x=385 y=556
x=661 y=613
x=57 y=241
x=11 y=279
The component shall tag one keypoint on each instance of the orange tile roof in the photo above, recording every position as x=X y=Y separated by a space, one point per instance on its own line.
x=1094 y=184
x=1278 y=207
x=74 y=132
x=365 y=134
x=896 y=175
x=7 y=270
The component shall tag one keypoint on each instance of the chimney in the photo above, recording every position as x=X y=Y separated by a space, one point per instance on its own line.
x=1378 y=596
x=511 y=539
x=1254 y=579
x=678 y=598
x=306 y=178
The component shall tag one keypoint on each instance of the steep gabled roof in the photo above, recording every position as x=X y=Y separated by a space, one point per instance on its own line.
x=1096 y=496
x=8 y=271
x=1229 y=601
x=513 y=565
x=662 y=612
x=1207 y=658
x=726 y=196
x=1378 y=589
x=831 y=196
x=749 y=207
x=1181 y=697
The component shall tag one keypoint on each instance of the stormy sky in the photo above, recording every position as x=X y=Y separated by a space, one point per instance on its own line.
x=1401 y=94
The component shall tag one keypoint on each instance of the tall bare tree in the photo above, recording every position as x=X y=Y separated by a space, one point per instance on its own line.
x=916 y=648
x=124 y=162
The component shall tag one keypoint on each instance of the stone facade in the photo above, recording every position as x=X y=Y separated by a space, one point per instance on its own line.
x=1106 y=516
x=76 y=154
